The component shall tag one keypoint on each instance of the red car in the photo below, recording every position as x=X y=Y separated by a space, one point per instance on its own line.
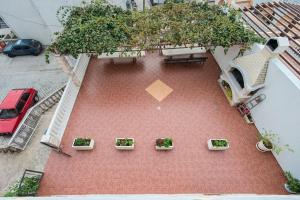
x=14 y=107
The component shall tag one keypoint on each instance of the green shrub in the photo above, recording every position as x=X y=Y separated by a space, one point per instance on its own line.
x=219 y=143
x=164 y=142
x=293 y=183
x=29 y=187
x=99 y=27
x=82 y=142
x=124 y=142
x=272 y=141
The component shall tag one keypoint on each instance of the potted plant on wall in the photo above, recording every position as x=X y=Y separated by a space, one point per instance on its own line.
x=217 y=144
x=293 y=185
x=270 y=141
x=227 y=90
x=124 y=143
x=83 y=144
x=164 y=144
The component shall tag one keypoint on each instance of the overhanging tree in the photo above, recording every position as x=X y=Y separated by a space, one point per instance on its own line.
x=99 y=27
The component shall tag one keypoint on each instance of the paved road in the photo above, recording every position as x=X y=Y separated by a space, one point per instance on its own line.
x=34 y=157
x=29 y=71
x=22 y=72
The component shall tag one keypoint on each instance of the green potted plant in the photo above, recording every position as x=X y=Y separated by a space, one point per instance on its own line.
x=29 y=187
x=83 y=144
x=217 y=144
x=293 y=185
x=270 y=141
x=164 y=144
x=124 y=143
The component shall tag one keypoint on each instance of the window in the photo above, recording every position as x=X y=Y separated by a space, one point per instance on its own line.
x=8 y=113
x=17 y=48
x=25 y=96
x=35 y=44
x=20 y=106
x=26 y=47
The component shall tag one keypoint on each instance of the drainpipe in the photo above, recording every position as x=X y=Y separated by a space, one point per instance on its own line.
x=63 y=63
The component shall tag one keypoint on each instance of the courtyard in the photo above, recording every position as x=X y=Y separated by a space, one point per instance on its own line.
x=113 y=102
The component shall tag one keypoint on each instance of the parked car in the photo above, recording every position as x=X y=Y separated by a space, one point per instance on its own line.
x=2 y=46
x=14 y=107
x=23 y=47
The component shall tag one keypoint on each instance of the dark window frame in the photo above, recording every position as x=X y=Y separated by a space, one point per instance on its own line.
x=20 y=106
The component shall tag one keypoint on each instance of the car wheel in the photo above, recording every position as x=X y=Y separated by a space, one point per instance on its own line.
x=36 y=98
x=10 y=55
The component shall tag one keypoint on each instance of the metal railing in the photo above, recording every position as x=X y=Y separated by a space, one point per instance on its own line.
x=27 y=126
x=63 y=111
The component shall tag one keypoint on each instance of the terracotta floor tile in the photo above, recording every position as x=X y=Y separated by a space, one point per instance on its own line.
x=112 y=102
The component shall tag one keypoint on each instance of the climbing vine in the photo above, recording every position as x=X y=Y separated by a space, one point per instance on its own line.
x=99 y=27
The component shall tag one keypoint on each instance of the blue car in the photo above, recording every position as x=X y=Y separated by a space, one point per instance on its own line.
x=23 y=47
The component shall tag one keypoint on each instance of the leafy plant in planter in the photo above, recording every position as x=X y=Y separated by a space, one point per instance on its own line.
x=82 y=142
x=124 y=142
x=164 y=142
x=293 y=184
x=29 y=187
x=219 y=143
x=228 y=91
x=270 y=141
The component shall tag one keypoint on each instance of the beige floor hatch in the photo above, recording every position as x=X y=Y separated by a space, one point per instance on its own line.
x=159 y=90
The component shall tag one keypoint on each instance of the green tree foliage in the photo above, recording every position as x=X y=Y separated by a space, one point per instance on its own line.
x=99 y=27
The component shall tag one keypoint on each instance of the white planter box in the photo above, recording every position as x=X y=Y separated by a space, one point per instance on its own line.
x=286 y=187
x=246 y=118
x=162 y=147
x=211 y=147
x=90 y=147
x=261 y=147
x=124 y=147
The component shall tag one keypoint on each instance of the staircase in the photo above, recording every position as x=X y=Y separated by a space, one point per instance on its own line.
x=3 y=24
x=26 y=128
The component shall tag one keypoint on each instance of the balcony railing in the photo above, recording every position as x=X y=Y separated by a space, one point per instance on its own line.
x=62 y=113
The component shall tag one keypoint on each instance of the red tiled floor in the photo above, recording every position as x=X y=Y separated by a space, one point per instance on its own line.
x=113 y=103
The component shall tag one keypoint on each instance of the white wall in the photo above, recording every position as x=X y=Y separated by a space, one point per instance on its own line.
x=280 y=113
x=34 y=19
x=223 y=59
x=24 y=20
x=48 y=10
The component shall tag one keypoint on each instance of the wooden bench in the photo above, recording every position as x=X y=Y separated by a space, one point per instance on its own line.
x=185 y=55
x=193 y=58
x=121 y=57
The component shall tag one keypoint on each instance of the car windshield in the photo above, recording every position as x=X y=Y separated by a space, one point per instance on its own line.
x=8 y=113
